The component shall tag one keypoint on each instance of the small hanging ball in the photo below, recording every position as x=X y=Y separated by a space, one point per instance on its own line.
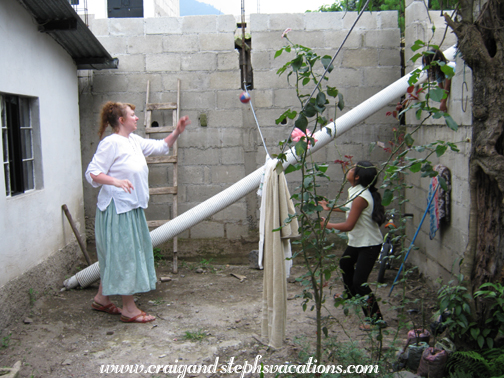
x=244 y=97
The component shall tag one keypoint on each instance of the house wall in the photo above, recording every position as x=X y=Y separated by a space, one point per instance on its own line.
x=439 y=257
x=152 y=8
x=200 y=51
x=33 y=227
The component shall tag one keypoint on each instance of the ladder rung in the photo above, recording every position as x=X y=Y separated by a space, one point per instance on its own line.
x=162 y=129
x=162 y=106
x=156 y=223
x=165 y=190
x=161 y=159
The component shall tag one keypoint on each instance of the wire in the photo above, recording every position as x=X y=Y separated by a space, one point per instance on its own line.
x=257 y=122
x=329 y=65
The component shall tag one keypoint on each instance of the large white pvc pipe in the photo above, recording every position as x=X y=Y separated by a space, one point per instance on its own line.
x=251 y=182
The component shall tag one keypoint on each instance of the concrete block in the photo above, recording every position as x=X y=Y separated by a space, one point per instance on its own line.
x=227 y=174
x=226 y=24
x=269 y=79
x=189 y=81
x=285 y=98
x=346 y=77
x=216 y=42
x=198 y=100
x=203 y=137
x=138 y=83
x=163 y=25
x=115 y=45
x=381 y=76
x=310 y=39
x=267 y=41
x=389 y=57
x=199 y=62
x=367 y=21
x=158 y=211
x=131 y=63
x=227 y=61
x=233 y=155
x=199 y=24
x=229 y=100
x=324 y=20
x=233 y=213
x=388 y=19
x=192 y=175
x=200 y=193
x=209 y=156
x=162 y=62
x=224 y=80
x=259 y=22
x=389 y=38
x=282 y=21
x=416 y=11
x=126 y=26
x=180 y=43
x=207 y=229
x=145 y=44
x=99 y=27
x=360 y=58
x=262 y=98
x=107 y=83
x=236 y=231
x=261 y=60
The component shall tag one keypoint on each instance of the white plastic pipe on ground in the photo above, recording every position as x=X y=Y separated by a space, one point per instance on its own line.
x=251 y=182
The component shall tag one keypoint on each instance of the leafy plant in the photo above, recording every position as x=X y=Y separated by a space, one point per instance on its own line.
x=195 y=336
x=6 y=341
x=33 y=296
x=158 y=256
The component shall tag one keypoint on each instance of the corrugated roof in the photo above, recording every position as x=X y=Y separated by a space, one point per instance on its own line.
x=58 y=19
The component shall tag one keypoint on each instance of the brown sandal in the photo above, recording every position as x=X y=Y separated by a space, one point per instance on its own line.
x=109 y=309
x=134 y=319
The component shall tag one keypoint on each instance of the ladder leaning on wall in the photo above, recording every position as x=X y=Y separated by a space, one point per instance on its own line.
x=164 y=159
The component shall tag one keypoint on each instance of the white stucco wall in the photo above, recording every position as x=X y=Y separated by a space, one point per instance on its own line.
x=33 y=225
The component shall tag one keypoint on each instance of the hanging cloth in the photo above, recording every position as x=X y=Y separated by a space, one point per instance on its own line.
x=274 y=249
x=439 y=209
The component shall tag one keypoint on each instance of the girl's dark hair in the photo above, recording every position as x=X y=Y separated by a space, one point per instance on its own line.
x=434 y=70
x=368 y=175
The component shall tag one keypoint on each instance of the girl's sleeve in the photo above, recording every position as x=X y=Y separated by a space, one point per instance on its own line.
x=101 y=162
x=152 y=146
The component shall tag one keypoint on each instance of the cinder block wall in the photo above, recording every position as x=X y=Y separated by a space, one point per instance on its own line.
x=200 y=51
x=440 y=256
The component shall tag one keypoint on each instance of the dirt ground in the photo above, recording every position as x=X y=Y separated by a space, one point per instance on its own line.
x=62 y=337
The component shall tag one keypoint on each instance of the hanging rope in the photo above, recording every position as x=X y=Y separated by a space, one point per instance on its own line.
x=257 y=122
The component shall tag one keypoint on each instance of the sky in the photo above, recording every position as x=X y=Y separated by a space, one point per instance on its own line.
x=266 y=6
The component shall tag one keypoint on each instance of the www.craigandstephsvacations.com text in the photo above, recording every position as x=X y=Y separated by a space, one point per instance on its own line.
x=231 y=367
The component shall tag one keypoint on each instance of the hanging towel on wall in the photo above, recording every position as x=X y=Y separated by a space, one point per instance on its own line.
x=274 y=248
x=439 y=209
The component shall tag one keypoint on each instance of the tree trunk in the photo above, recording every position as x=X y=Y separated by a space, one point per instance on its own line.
x=482 y=47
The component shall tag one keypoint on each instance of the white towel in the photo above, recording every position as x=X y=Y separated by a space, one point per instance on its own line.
x=274 y=248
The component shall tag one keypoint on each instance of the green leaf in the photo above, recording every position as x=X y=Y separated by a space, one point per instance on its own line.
x=388 y=195
x=450 y=122
x=292 y=168
x=437 y=94
x=309 y=110
x=416 y=167
x=341 y=102
x=324 y=329
x=481 y=341
x=331 y=91
x=408 y=139
x=278 y=53
x=321 y=99
x=301 y=123
x=326 y=62
x=440 y=150
x=297 y=63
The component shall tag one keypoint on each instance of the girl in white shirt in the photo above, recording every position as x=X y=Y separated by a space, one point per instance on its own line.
x=123 y=241
x=363 y=220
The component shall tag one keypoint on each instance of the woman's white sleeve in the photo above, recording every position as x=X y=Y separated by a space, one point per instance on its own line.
x=101 y=162
x=153 y=146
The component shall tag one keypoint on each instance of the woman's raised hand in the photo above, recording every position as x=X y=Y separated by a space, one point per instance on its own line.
x=324 y=205
x=182 y=123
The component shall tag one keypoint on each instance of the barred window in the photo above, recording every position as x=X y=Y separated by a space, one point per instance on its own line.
x=17 y=144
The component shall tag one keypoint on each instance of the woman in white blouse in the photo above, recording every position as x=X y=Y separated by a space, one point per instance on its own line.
x=123 y=242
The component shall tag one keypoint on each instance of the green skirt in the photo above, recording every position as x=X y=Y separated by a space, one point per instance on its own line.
x=124 y=249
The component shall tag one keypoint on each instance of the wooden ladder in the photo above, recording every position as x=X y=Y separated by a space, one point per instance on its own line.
x=164 y=159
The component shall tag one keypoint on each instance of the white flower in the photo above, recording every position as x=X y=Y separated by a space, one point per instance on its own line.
x=284 y=34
